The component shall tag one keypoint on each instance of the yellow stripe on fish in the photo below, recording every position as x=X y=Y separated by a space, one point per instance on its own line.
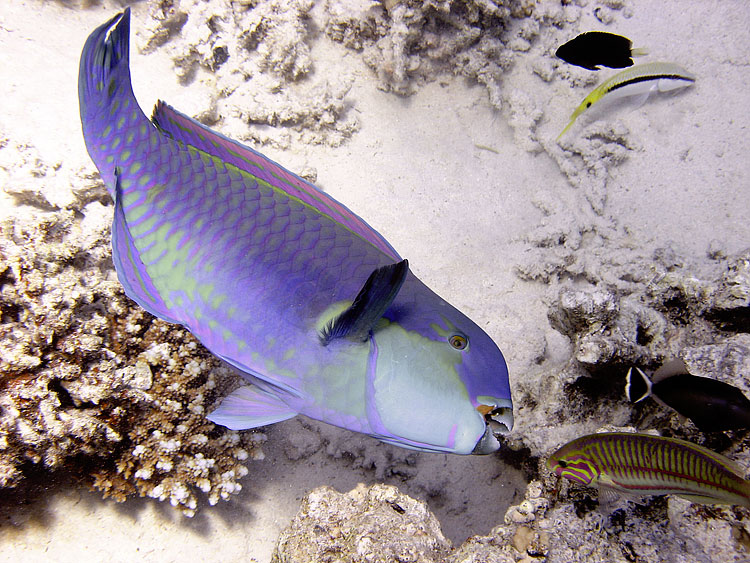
x=639 y=79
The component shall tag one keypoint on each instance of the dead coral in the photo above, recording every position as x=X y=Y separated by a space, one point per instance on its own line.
x=30 y=180
x=559 y=521
x=552 y=523
x=622 y=309
x=368 y=524
x=91 y=382
x=262 y=51
x=409 y=42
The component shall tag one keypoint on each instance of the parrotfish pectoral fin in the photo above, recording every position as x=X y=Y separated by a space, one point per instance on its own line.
x=371 y=303
x=250 y=407
x=130 y=269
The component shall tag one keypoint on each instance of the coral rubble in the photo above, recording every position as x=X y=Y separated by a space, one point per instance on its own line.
x=640 y=310
x=408 y=42
x=380 y=524
x=255 y=58
x=90 y=382
x=368 y=524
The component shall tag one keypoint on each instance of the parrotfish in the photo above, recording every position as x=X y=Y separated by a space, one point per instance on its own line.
x=639 y=80
x=311 y=305
x=711 y=404
x=625 y=464
x=594 y=48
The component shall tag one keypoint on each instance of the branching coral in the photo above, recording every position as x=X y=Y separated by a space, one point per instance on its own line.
x=88 y=380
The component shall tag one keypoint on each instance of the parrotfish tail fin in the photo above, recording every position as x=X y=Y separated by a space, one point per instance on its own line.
x=250 y=407
x=637 y=387
x=130 y=269
x=105 y=95
x=105 y=55
x=639 y=52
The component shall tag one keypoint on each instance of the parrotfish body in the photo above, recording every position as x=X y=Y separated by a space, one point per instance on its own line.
x=281 y=281
x=641 y=464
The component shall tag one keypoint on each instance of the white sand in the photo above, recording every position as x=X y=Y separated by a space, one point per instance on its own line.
x=458 y=212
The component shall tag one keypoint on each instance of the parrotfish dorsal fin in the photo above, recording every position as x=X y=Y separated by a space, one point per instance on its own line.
x=188 y=131
x=668 y=369
x=130 y=269
x=371 y=303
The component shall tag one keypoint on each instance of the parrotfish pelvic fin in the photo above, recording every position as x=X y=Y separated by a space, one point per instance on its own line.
x=371 y=303
x=250 y=407
x=130 y=269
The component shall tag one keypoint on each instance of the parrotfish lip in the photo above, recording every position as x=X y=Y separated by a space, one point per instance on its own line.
x=498 y=422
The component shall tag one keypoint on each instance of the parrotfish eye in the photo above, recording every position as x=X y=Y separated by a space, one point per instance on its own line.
x=459 y=341
x=562 y=463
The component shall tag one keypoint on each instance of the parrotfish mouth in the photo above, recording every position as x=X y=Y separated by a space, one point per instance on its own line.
x=498 y=422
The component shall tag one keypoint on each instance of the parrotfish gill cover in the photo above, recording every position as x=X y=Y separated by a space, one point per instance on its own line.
x=281 y=281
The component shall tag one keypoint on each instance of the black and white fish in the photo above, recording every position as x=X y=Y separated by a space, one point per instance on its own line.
x=594 y=48
x=712 y=405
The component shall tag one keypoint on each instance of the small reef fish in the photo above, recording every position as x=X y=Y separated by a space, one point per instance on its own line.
x=282 y=282
x=634 y=81
x=594 y=48
x=625 y=464
x=712 y=405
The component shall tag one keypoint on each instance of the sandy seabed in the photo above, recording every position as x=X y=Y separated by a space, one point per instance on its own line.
x=463 y=190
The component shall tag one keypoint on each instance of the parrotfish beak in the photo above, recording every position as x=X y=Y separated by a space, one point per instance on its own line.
x=498 y=422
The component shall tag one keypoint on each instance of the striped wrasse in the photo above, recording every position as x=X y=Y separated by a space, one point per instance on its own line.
x=639 y=80
x=641 y=464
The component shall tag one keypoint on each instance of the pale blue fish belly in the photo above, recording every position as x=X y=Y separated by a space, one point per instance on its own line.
x=264 y=269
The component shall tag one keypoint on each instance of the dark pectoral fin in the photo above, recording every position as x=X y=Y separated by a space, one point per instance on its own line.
x=371 y=303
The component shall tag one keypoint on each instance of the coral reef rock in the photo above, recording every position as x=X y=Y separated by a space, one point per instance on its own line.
x=254 y=58
x=92 y=383
x=623 y=309
x=380 y=524
x=566 y=526
x=658 y=529
x=374 y=524
x=408 y=42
